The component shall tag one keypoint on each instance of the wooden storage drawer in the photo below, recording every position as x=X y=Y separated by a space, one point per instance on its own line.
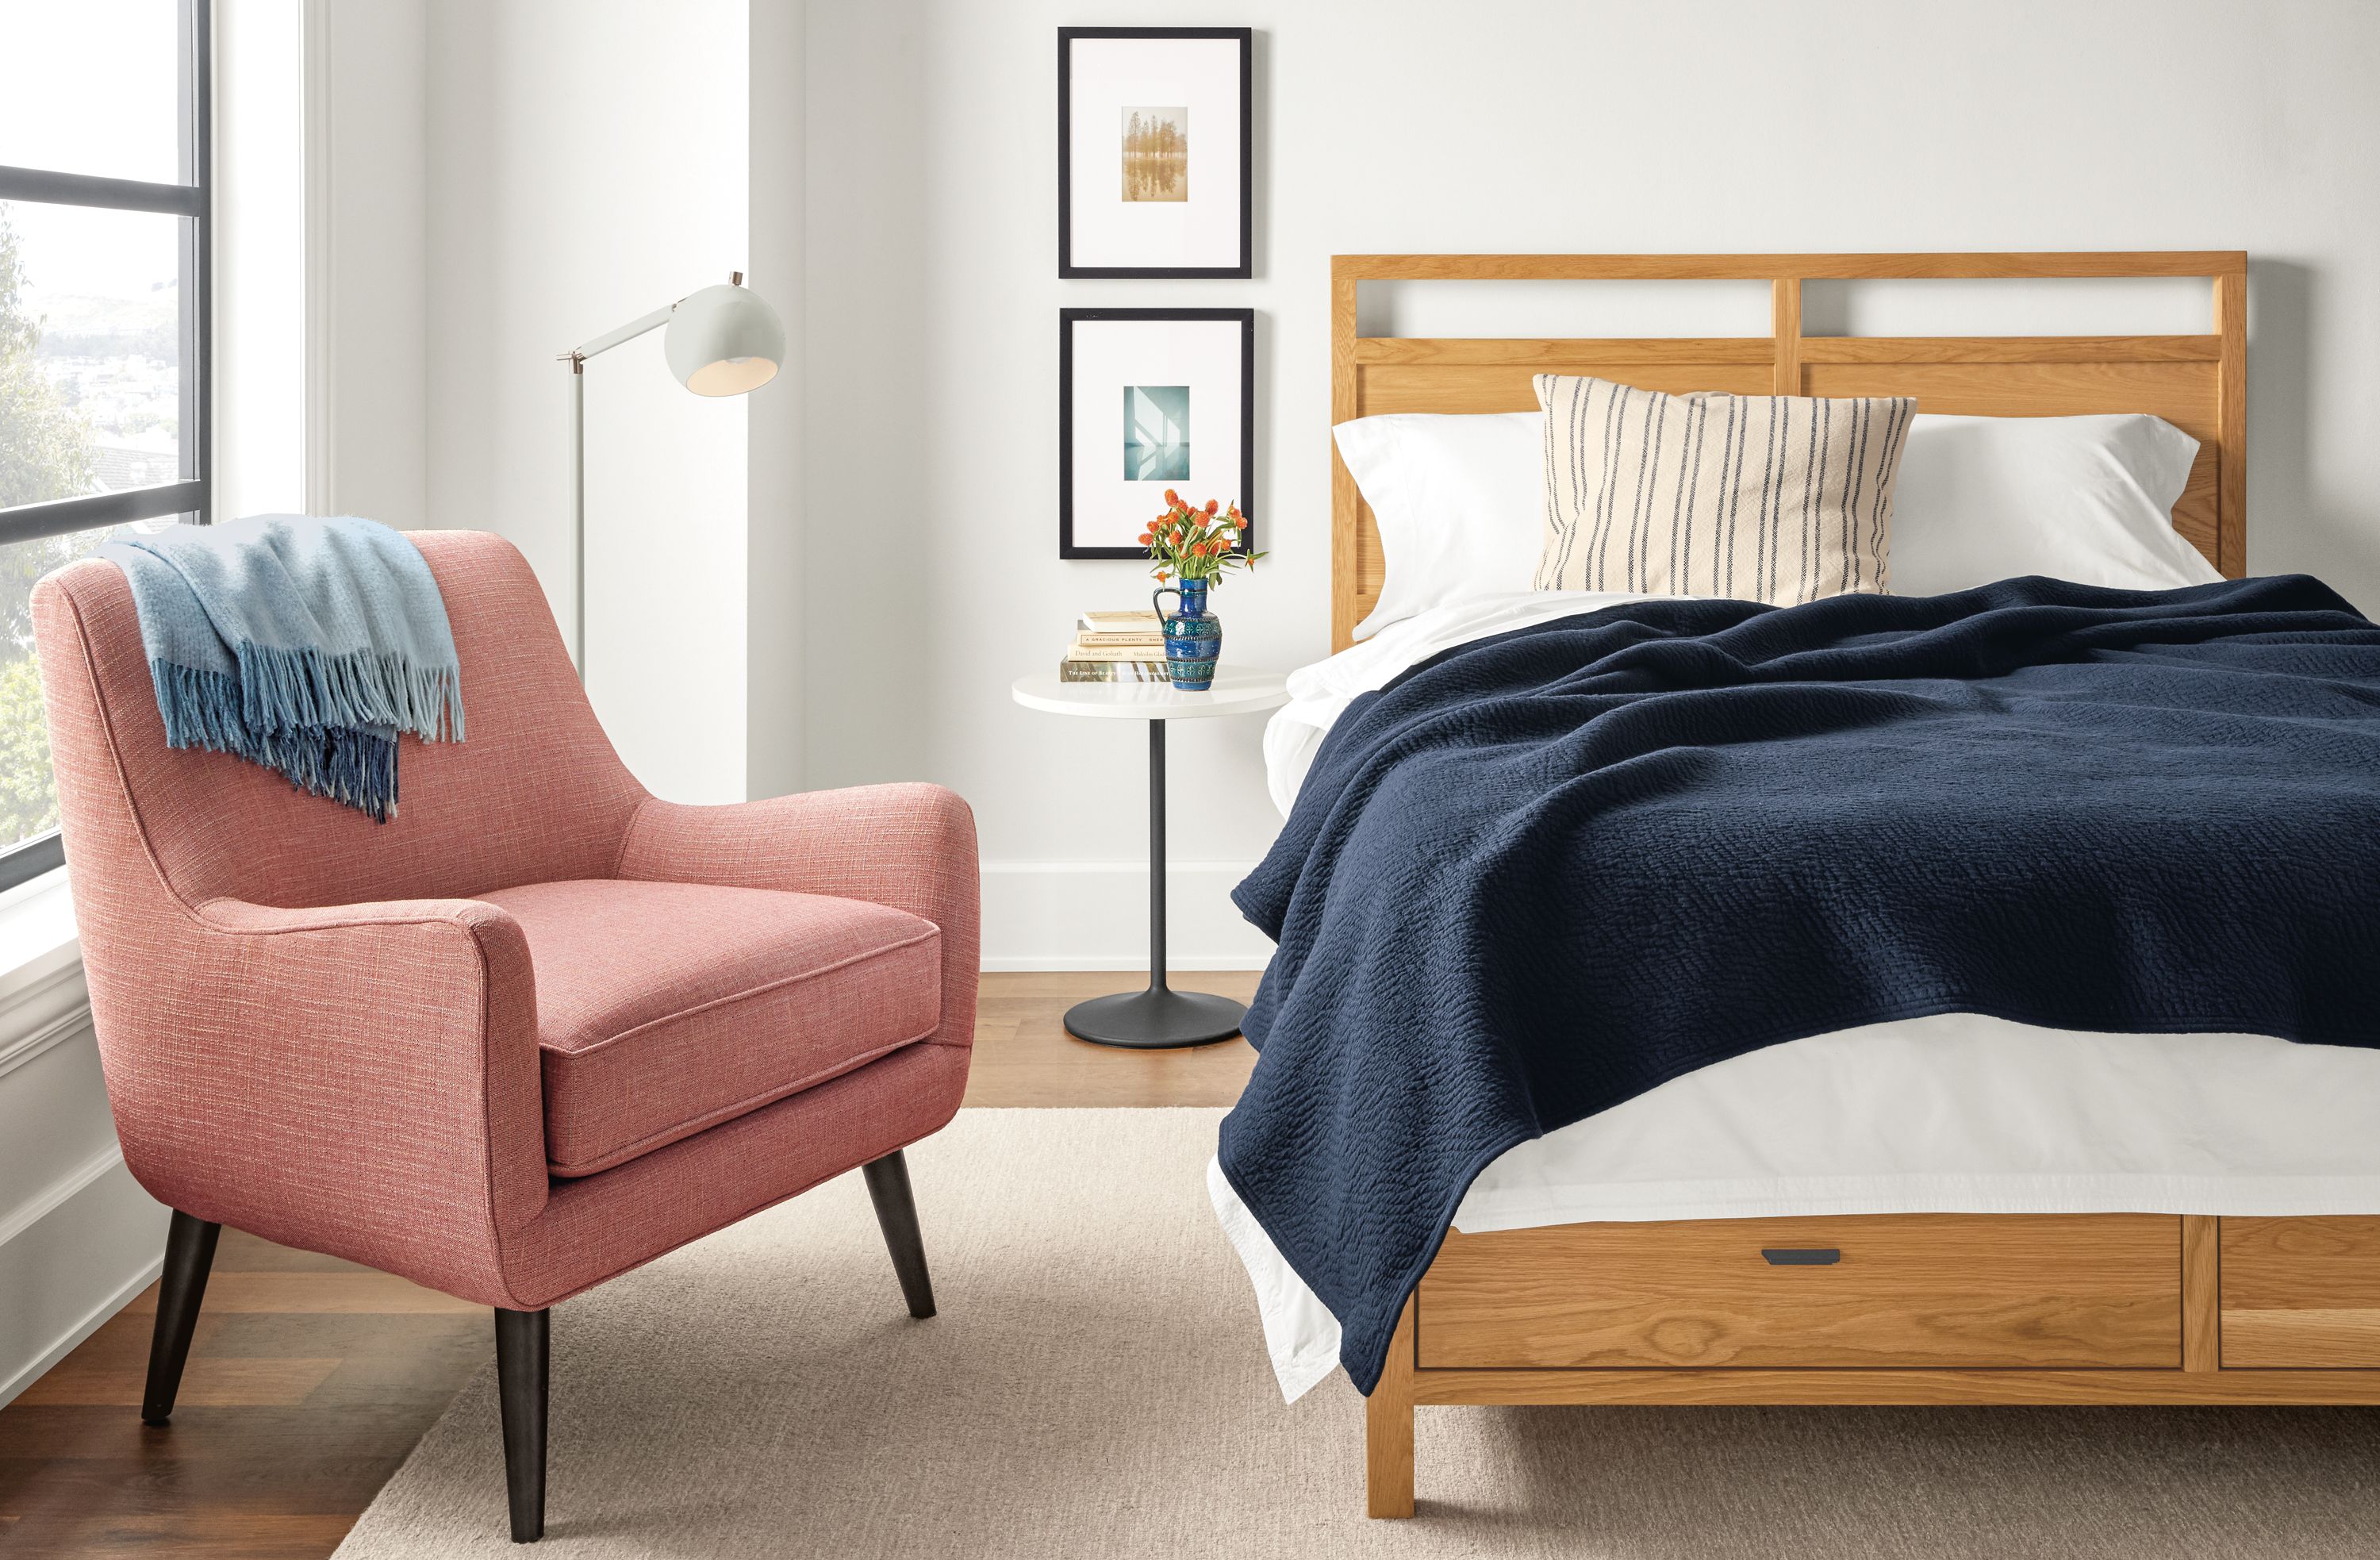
x=2102 y=1289
x=2300 y=1293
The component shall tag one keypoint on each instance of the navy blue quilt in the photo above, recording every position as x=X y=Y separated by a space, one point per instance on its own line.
x=1540 y=874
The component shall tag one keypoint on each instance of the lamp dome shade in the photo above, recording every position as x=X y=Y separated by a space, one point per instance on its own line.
x=724 y=341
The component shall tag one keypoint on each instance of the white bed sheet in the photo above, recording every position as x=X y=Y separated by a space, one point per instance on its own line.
x=1956 y=1112
x=1318 y=694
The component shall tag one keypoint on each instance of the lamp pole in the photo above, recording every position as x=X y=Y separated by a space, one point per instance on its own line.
x=727 y=342
x=578 y=513
x=577 y=357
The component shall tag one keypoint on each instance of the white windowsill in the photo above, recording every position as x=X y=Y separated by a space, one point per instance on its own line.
x=37 y=934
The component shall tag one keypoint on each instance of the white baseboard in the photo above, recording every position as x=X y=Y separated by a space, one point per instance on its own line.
x=1094 y=915
x=78 y=1237
x=72 y=1261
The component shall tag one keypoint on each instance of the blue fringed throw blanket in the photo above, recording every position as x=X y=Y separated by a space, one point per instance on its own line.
x=1541 y=874
x=305 y=645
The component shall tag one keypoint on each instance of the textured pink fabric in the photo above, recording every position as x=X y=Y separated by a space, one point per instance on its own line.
x=320 y=1029
x=607 y=1223
x=909 y=846
x=667 y=1008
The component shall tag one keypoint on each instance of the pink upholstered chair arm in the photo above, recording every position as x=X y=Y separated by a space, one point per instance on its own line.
x=911 y=847
x=378 y=1062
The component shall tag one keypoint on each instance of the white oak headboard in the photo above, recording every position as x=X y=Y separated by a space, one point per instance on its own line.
x=2196 y=382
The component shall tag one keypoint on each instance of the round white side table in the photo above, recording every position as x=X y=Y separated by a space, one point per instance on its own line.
x=1159 y=1016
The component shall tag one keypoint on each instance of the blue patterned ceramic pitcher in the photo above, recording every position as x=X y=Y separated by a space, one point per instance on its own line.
x=1194 y=637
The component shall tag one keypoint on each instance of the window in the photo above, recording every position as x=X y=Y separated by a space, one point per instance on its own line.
x=104 y=229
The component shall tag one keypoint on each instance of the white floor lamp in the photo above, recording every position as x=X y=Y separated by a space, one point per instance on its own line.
x=721 y=341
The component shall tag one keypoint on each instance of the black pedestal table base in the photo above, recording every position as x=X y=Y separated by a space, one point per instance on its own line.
x=1160 y=1018
x=1154 y=1019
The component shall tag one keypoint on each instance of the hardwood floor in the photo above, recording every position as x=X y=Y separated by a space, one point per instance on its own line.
x=1023 y=1056
x=311 y=1379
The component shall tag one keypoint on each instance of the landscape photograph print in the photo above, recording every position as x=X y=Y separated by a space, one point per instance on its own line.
x=1157 y=154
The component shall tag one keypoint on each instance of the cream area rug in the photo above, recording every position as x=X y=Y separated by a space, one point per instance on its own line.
x=1095 y=1385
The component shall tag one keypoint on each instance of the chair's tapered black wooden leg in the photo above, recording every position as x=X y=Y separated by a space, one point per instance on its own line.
x=888 y=1186
x=189 y=1254
x=521 y=1358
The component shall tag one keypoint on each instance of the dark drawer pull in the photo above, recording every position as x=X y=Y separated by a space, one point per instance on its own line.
x=1801 y=1256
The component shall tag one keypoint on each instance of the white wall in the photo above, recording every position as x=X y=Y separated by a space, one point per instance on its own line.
x=890 y=183
x=877 y=607
x=774 y=552
x=587 y=163
x=260 y=258
x=366 y=451
x=1502 y=126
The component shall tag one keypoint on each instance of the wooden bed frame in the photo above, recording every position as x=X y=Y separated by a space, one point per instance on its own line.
x=2196 y=382
x=1934 y=1308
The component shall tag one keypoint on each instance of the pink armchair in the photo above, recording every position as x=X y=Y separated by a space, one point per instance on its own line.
x=537 y=1029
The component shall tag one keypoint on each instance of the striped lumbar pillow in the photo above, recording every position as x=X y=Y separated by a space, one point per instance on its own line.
x=1767 y=498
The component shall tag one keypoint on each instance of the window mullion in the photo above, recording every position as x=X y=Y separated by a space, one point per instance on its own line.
x=197 y=259
x=51 y=187
x=96 y=511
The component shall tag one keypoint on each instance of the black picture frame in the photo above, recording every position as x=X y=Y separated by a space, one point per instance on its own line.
x=1066 y=266
x=1067 y=319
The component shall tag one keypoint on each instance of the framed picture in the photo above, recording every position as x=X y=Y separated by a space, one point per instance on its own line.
x=1153 y=151
x=1150 y=399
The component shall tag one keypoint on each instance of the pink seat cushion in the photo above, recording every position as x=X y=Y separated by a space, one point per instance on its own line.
x=663 y=1009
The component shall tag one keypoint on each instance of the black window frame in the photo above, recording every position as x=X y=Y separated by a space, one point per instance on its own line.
x=192 y=198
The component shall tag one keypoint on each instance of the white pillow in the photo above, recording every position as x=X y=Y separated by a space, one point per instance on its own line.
x=1460 y=503
x=2084 y=498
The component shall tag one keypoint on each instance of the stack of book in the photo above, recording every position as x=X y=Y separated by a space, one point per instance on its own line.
x=1116 y=647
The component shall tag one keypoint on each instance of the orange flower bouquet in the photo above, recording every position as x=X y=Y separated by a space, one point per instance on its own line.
x=1196 y=544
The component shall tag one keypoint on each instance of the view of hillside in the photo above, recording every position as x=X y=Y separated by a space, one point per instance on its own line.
x=105 y=342
x=89 y=402
x=117 y=361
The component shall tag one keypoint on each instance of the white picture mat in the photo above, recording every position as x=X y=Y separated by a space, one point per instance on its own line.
x=1106 y=78
x=1110 y=354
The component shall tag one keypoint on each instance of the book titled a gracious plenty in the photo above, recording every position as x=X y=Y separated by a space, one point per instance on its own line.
x=1084 y=650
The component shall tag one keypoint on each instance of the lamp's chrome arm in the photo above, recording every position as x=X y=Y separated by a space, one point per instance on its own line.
x=577 y=358
x=610 y=339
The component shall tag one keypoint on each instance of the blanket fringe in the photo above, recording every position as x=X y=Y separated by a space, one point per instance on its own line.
x=281 y=687
x=352 y=765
